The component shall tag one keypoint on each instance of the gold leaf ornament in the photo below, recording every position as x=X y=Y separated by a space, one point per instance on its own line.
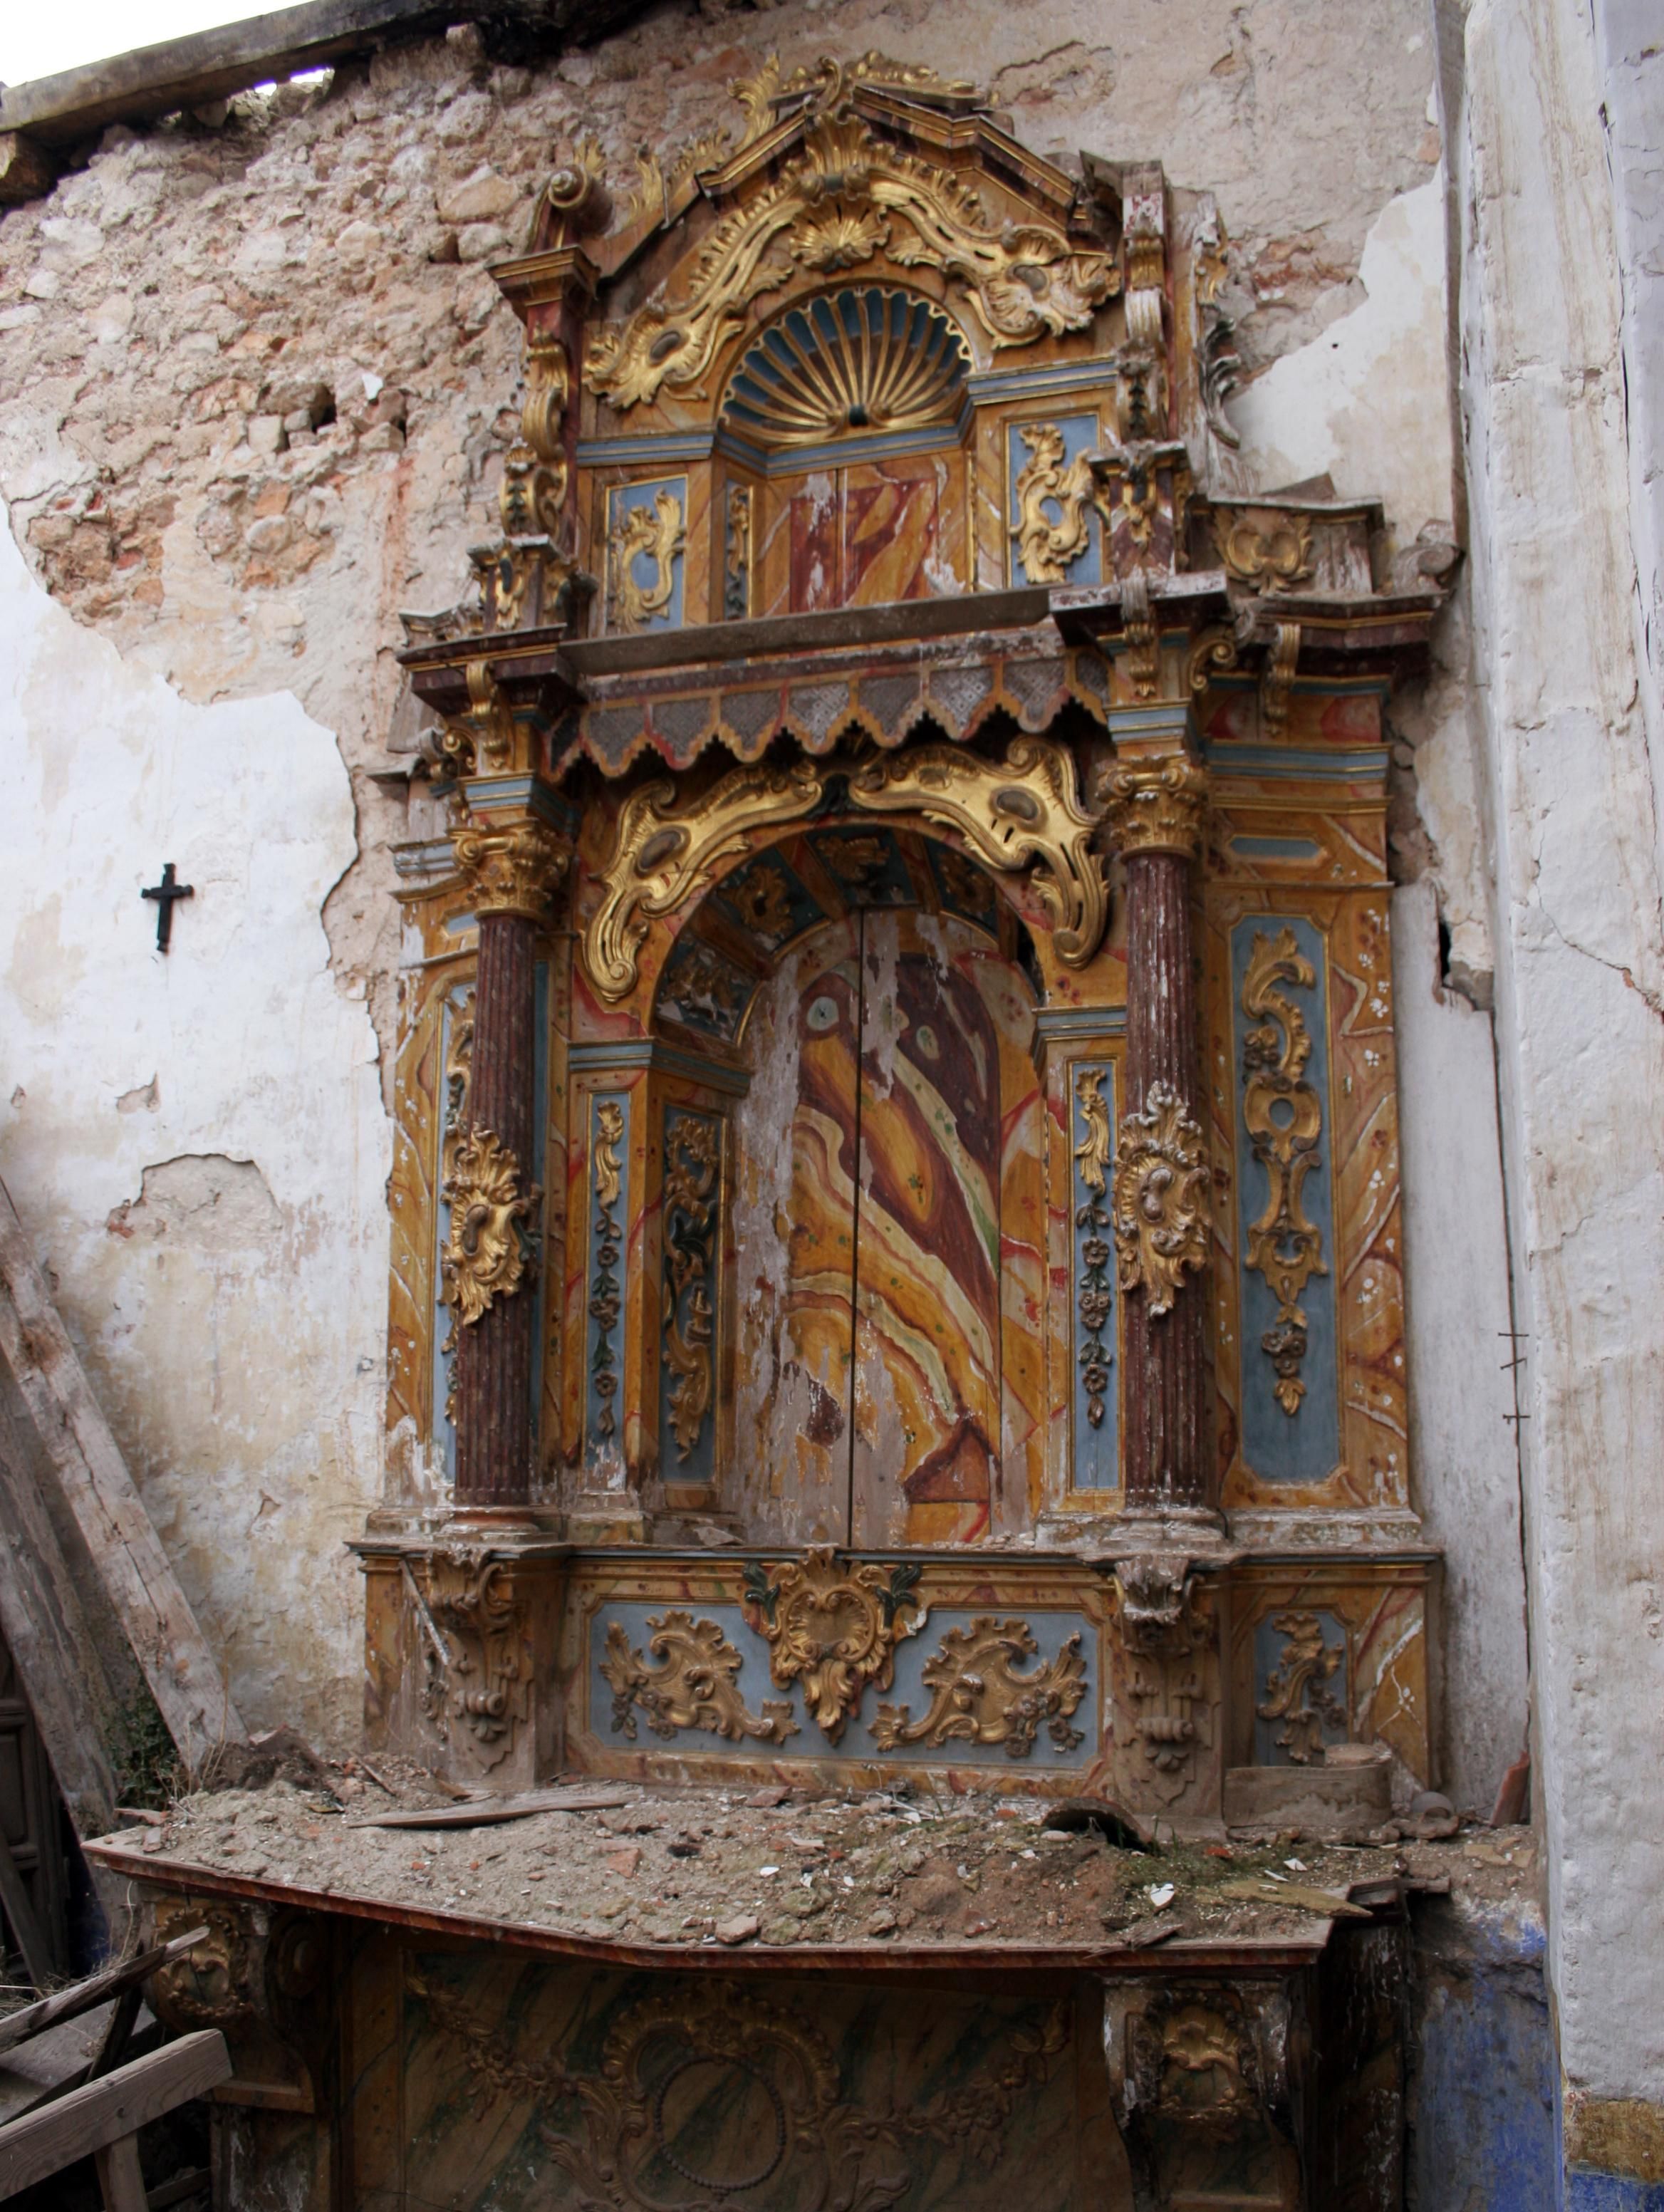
x=487 y=1251
x=832 y=1628
x=654 y=533
x=980 y=1696
x=664 y=855
x=1284 y=1116
x=1046 y=549
x=695 y=1685
x=1160 y=1209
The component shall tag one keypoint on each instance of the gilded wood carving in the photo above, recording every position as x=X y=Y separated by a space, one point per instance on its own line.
x=486 y=1255
x=846 y=197
x=1092 y=1293
x=693 y=1686
x=832 y=1627
x=1027 y=813
x=1046 y=548
x=606 y=1291
x=1284 y=1116
x=1297 y=1690
x=692 y=1156
x=663 y=854
x=1160 y=1198
x=655 y=533
x=980 y=1696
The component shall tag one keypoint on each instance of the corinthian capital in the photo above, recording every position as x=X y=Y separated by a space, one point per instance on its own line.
x=1155 y=805
x=512 y=869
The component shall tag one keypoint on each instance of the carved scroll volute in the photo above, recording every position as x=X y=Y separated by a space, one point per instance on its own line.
x=664 y=854
x=1161 y=1210
x=1026 y=814
x=489 y=1252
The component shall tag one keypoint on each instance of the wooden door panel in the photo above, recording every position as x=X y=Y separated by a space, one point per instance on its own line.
x=794 y=1215
x=925 y=1452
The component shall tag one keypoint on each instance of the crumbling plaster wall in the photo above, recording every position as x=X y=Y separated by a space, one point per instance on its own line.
x=253 y=387
x=195 y=1142
x=1551 y=424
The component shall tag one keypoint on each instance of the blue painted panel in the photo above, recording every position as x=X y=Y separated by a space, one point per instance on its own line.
x=1306 y=1446
x=1483 y=2133
x=1324 y=1694
x=690 y=1306
x=1081 y=434
x=1610 y=2193
x=754 y=1682
x=604 y=1289
x=626 y=500
x=1051 y=1631
x=757 y=1685
x=1095 y=1459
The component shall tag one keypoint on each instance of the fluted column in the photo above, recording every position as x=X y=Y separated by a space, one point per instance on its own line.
x=1161 y=1213
x=490 y=1258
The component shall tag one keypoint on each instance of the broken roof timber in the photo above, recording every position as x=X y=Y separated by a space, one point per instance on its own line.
x=54 y=113
x=81 y=1458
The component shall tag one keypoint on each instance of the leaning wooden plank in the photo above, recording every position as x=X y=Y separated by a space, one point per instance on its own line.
x=88 y=1465
x=120 y=2176
x=15 y=1897
x=70 y=1693
x=44 y=2142
x=81 y=1996
x=482 y=1811
x=52 y=2062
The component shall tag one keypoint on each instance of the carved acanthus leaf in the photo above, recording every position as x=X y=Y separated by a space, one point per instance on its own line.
x=1155 y=807
x=832 y=1628
x=656 y=533
x=511 y=869
x=1161 y=1198
x=1021 y=279
x=695 y=1686
x=1027 y=813
x=979 y=1696
x=485 y=1254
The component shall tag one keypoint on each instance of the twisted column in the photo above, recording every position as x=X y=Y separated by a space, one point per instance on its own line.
x=1161 y=1214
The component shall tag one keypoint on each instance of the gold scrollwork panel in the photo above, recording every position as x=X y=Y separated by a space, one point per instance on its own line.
x=981 y=1693
x=694 y=1686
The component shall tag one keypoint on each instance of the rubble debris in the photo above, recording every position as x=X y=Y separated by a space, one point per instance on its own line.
x=827 y=1869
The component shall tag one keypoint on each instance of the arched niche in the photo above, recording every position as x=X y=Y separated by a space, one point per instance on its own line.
x=852 y=1326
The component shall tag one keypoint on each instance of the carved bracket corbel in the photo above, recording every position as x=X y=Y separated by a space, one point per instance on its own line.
x=476 y=1656
x=259 y=1977
x=1199 y=2076
x=1167 y=1634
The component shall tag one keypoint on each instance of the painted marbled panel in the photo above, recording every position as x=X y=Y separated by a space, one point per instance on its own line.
x=892 y=529
x=794 y=1213
x=523 y=2084
x=938 y=1033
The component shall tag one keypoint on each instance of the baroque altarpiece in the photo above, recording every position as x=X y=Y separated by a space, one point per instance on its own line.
x=897 y=1269
x=897 y=1230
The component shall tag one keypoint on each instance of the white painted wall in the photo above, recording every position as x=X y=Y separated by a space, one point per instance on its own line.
x=197 y=1144
x=1580 y=998
x=1456 y=1248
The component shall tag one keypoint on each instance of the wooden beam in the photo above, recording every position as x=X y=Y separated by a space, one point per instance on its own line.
x=87 y=1466
x=57 y=1658
x=15 y=1897
x=90 y=2118
x=17 y=2027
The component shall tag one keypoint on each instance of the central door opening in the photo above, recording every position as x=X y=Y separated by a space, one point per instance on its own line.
x=888 y=1231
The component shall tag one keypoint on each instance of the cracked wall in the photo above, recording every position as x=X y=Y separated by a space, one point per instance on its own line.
x=254 y=387
x=196 y=1143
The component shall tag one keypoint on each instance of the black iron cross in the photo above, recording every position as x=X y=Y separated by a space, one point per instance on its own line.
x=164 y=894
